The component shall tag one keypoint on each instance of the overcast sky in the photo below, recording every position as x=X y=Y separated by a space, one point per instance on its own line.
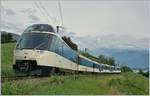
x=126 y=23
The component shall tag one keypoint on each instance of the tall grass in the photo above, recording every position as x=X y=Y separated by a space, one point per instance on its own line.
x=7 y=59
x=102 y=84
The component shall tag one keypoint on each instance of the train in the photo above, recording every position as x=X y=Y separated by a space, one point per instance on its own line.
x=42 y=51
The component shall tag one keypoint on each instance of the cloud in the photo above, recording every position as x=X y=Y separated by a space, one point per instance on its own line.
x=31 y=13
x=28 y=10
x=11 y=27
x=110 y=41
x=105 y=20
x=7 y=11
x=23 y=18
x=34 y=18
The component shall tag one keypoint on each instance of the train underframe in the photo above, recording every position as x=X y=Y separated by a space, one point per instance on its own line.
x=30 y=68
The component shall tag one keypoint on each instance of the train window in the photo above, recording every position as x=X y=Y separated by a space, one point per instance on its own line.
x=53 y=44
x=90 y=63
x=105 y=67
x=93 y=65
x=118 y=68
x=56 y=45
x=97 y=66
x=100 y=68
x=85 y=62
x=40 y=27
x=61 y=48
x=68 y=53
x=38 y=41
x=111 y=68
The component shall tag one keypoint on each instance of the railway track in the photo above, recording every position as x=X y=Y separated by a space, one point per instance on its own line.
x=15 y=78
x=18 y=78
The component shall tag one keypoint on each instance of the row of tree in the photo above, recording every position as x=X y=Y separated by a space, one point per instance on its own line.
x=106 y=60
x=126 y=69
x=70 y=43
x=146 y=74
x=100 y=59
x=6 y=37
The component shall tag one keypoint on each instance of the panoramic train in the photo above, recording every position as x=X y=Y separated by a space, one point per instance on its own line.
x=42 y=51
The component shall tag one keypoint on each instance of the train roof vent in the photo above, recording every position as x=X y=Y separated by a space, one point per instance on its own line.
x=40 y=28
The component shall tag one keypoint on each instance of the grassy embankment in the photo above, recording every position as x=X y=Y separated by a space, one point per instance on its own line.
x=7 y=58
x=125 y=83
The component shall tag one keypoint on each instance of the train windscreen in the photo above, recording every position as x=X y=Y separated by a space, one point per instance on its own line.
x=39 y=41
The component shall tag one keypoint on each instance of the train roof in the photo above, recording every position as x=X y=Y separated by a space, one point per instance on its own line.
x=95 y=61
x=84 y=57
x=40 y=28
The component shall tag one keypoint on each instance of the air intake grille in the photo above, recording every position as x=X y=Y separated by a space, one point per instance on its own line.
x=26 y=65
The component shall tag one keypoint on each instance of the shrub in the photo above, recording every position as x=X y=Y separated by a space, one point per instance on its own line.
x=126 y=69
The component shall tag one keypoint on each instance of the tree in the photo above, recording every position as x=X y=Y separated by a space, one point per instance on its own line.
x=101 y=58
x=70 y=43
x=106 y=60
x=140 y=71
x=146 y=74
x=9 y=35
x=126 y=69
x=6 y=37
x=111 y=61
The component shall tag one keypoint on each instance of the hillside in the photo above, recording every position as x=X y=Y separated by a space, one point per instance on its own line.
x=84 y=84
x=137 y=59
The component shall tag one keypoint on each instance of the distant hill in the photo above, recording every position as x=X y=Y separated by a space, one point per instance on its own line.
x=136 y=59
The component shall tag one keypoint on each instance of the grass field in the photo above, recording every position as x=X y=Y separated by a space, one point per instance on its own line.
x=7 y=58
x=89 y=84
